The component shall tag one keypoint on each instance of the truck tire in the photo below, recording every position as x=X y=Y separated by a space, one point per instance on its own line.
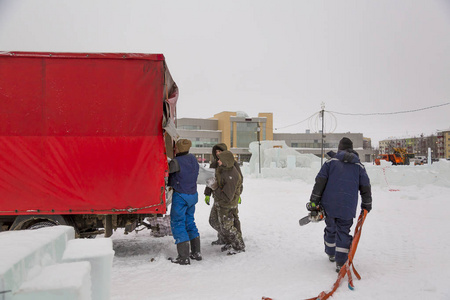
x=41 y=224
x=37 y=221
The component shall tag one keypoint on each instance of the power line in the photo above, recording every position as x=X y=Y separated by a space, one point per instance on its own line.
x=298 y=122
x=391 y=113
x=368 y=114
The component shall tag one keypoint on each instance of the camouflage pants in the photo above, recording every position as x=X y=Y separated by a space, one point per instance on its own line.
x=226 y=222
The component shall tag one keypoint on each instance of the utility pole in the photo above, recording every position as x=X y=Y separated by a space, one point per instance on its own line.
x=258 y=138
x=258 y=131
x=323 y=135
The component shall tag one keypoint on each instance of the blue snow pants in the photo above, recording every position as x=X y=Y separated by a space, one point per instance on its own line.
x=337 y=238
x=182 y=217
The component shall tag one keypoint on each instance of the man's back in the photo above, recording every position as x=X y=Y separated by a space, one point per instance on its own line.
x=345 y=174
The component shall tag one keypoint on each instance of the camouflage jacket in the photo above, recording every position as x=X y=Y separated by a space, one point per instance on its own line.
x=229 y=182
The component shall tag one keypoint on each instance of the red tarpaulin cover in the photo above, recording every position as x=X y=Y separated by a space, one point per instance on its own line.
x=81 y=133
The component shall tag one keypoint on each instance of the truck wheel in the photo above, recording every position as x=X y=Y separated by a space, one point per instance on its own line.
x=41 y=224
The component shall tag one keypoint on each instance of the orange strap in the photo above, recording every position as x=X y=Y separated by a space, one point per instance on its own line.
x=346 y=270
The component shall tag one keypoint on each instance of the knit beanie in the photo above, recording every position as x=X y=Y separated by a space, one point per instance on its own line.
x=345 y=143
x=183 y=145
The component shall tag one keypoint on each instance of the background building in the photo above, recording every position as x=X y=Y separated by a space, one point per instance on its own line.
x=237 y=130
x=312 y=143
x=439 y=145
x=443 y=144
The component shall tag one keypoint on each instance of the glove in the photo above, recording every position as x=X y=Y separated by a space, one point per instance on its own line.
x=312 y=206
x=239 y=201
x=207 y=199
x=367 y=207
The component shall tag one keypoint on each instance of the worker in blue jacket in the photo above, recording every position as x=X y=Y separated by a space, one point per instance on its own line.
x=183 y=173
x=336 y=192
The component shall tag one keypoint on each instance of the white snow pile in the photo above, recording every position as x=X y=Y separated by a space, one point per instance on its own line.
x=280 y=161
x=387 y=175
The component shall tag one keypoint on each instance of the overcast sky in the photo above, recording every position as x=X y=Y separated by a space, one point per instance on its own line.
x=283 y=56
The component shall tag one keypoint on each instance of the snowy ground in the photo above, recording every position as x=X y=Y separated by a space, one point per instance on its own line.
x=404 y=251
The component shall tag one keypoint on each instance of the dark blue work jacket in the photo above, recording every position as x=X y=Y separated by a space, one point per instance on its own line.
x=343 y=177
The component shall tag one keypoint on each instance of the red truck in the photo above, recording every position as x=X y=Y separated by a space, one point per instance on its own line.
x=84 y=139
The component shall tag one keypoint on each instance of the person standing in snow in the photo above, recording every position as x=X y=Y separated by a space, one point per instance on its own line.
x=213 y=217
x=336 y=191
x=226 y=198
x=183 y=173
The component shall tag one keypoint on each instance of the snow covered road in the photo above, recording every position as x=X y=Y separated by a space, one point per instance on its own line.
x=404 y=251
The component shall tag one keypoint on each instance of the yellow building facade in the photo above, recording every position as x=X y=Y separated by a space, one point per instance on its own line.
x=238 y=129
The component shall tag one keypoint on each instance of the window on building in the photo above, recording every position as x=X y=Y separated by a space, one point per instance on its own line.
x=331 y=145
x=247 y=132
x=306 y=145
x=205 y=142
x=231 y=135
x=190 y=127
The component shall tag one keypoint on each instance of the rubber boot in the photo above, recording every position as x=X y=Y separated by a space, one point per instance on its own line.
x=339 y=266
x=195 y=249
x=183 y=254
x=238 y=246
x=234 y=251
x=226 y=247
x=219 y=241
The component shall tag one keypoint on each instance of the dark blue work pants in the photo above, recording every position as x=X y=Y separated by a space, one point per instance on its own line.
x=337 y=238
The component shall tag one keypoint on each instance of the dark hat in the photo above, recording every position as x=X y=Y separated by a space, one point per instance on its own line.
x=183 y=145
x=345 y=143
